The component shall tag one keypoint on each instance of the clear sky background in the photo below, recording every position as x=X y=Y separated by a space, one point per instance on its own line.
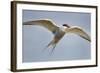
x=70 y=47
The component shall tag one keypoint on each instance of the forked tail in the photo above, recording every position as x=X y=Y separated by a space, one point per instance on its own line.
x=52 y=44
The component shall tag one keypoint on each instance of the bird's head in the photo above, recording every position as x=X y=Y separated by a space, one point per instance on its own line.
x=66 y=25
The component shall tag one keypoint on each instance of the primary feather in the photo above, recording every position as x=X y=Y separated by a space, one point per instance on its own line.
x=47 y=23
x=79 y=31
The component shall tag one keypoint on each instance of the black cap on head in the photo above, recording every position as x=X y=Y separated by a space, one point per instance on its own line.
x=66 y=25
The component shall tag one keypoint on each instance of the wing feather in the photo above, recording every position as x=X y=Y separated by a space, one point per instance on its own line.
x=47 y=23
x=79 y=31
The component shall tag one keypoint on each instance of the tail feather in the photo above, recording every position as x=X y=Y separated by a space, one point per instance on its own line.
x=52 y=50
x=52 y=44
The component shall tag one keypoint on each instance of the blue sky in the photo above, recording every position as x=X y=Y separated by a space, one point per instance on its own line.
x=70 y=47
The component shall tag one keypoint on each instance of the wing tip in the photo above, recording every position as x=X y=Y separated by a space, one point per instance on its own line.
x=26 y=23
x=45 y=19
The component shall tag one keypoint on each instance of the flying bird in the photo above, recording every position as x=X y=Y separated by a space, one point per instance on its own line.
x=57 y=31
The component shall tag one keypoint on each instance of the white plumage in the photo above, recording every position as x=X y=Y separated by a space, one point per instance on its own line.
x=57 y=31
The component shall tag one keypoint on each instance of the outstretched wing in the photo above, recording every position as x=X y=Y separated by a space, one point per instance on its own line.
x=79 y=31
x=47 y=23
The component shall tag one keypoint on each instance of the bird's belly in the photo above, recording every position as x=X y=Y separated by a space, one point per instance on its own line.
x=59 y=36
